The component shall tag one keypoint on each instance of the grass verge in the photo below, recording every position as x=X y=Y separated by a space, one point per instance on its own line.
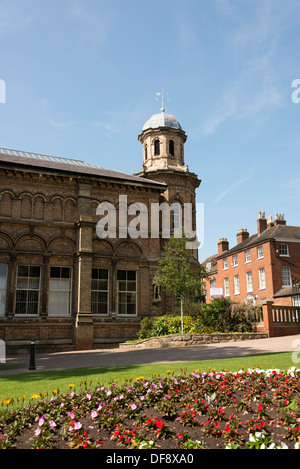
x=18 y=385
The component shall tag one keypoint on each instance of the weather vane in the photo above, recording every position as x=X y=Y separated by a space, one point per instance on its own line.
x=162 y=94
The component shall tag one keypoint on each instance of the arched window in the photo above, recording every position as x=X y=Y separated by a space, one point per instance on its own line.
x=171 y=148
x=146 y=152
x=156 y=148
x=176 y=216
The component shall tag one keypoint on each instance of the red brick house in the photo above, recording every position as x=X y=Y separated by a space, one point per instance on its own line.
x=264 y=266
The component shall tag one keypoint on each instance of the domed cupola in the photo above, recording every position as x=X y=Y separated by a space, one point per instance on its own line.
x=162 y=120
x=163 y=142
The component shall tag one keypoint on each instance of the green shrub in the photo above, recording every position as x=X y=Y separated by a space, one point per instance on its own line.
x=221 y=315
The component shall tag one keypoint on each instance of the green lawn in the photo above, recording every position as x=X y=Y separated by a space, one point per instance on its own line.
x=15 y=386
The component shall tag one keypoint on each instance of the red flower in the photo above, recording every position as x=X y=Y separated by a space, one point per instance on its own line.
x=180 y=435
x=159 y=423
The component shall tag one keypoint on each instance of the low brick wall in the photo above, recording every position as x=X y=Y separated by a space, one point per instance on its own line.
x=190 y=339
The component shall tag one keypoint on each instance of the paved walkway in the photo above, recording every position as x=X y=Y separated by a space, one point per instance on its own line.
x=121 y=357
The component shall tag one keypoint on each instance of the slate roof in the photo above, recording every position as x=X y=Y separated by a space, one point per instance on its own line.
x=66 y=165
x=291 y=290
x=214 y=264
x=285 y=232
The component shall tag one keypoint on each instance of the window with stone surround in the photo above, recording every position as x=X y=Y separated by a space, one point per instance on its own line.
x=28 y=290
x=100 y=291
x=171 y=148
x=3 y=284
x=127 y=292
x=156 y=148
x=60 y=289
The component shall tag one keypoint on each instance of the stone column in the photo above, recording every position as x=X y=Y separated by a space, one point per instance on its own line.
x=11 y=283
x=83 y=331
x=45 y=287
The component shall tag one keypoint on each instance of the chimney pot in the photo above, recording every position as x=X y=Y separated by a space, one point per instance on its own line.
x=279 y=220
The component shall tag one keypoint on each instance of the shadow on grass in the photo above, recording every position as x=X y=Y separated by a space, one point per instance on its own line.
x=265 y=360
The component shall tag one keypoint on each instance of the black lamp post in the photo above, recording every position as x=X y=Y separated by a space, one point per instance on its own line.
x=32 y=355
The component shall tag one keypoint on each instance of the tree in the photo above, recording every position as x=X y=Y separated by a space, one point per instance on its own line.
x=179 y=272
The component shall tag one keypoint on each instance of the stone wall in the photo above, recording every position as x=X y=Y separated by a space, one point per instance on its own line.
x=190 y=339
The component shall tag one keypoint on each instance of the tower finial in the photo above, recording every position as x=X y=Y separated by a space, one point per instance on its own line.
x=162 y=99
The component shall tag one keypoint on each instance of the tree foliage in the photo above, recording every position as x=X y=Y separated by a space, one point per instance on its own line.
x=179 y=272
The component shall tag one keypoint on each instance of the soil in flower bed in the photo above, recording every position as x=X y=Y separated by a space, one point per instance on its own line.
x=248 y=409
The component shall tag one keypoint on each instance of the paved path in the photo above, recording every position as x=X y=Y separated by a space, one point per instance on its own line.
x=121 y=357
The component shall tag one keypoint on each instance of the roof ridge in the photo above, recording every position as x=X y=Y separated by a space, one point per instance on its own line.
x=46 y=157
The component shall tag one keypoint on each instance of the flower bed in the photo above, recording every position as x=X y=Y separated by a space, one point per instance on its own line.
x=248 y=409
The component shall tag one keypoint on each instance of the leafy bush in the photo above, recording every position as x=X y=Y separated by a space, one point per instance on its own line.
x=221 y=315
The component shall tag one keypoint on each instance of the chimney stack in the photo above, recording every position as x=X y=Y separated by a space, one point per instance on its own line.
x=242 y=234
x=262 y=224
x=279 y=219
x=223 y=245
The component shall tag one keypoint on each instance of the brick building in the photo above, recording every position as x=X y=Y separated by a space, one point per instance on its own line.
x=60 y=283
x=264 y=266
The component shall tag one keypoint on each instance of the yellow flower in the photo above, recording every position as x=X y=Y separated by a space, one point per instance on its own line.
x=140 y=377
x=71 y=385
x=54 y=392
x=8 y=401
x=35 y=396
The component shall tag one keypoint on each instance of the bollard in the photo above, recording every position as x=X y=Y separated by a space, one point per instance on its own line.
x=32 y=355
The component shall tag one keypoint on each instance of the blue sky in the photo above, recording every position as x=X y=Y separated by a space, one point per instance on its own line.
x=82 y=76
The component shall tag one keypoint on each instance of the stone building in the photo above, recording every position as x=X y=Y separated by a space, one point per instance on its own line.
x=60 y=283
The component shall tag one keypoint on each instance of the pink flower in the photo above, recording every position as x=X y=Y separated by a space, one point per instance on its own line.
x=94 y=414
x=37 y=432
x=41 y=421
x=52 y=424
x=133 y=406
x=77 y=426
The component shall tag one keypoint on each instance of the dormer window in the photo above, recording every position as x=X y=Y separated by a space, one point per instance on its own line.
x=171 y=148
x=157 y=148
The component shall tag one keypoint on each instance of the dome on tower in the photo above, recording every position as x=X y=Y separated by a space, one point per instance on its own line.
x=162 y=120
